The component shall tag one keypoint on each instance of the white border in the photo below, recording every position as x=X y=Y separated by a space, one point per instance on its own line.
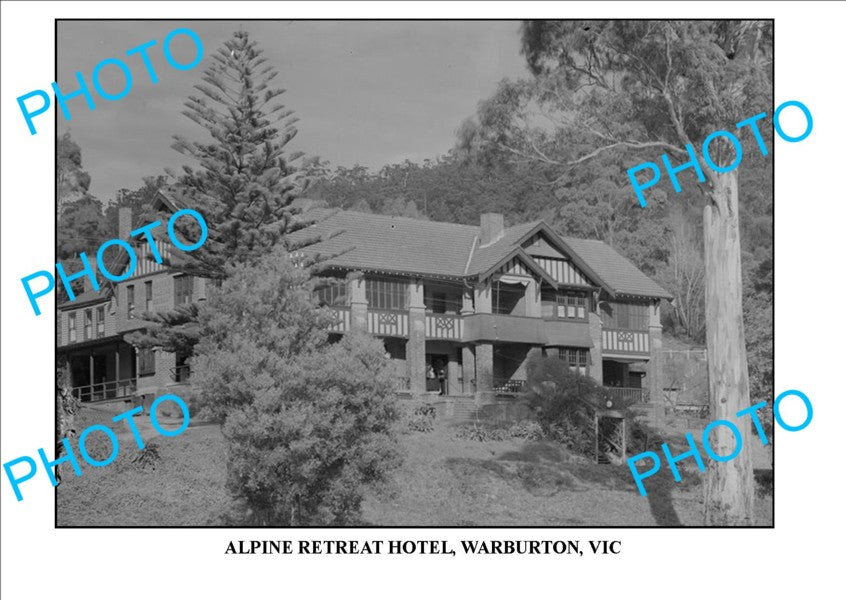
x=798 y=557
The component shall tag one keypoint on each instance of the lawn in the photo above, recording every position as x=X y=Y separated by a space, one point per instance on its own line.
x=445 y=480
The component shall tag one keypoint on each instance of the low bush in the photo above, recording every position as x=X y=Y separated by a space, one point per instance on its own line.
x=479 y=431
x=422 y=418
x=572 y=436
x=640 y=438
x=530 y=431
x=148 y=457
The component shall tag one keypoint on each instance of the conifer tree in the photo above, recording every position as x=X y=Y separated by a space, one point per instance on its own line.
x=242 y=179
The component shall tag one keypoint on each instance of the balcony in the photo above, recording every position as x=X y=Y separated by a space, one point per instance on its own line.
x=625 y=342
x=444 y=327
x=526 y=330
x=470 y=328
x=508 y=328
x=392 y=323
x=340 y=316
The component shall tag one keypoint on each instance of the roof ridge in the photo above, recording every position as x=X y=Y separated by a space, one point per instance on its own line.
x=416 y=220
x=470 y=256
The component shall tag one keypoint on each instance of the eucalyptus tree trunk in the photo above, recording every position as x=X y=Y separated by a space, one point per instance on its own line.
x=729 y=486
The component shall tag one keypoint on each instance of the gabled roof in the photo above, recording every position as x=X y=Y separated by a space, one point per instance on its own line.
x=484 y=257
x=90 y=297
x=166 y=198
x=616 y=271
x=518 y=252
x=557 y=240
x=400 y=245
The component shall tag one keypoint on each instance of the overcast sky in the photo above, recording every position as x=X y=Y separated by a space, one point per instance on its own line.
x=367 y=92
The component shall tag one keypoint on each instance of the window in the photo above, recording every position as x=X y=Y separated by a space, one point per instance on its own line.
x=183 y=289
x=334 y=294
x=386 y=294
x=625 y=315
x=576 y=358
x=639 y=316
x=130 y=302
x=88 y=327
x=564 y=305
x=146 y=362
x=71 y=327
x=436 y=302
x=507 y=299
x=148 y=296
x=101 y=321
x=442 y=300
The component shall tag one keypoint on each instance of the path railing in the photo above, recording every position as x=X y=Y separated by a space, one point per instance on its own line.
x=106 y=390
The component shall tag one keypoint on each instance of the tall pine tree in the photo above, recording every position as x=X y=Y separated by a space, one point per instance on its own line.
x=241 y=178
x=245 y=182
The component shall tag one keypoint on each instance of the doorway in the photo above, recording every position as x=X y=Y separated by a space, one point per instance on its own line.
x=437 y=373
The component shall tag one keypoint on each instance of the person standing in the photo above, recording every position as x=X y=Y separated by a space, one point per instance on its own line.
x=442 y=379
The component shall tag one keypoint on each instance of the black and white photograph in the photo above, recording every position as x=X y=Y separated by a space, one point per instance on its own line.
x=409 y=273
x=381 y=299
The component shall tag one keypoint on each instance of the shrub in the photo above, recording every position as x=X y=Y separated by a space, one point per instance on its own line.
x=530 y=431
x=422 y=418
x=482 y=432
x=309 y=423
x=148 y=457
x=574 y=437
x=640 y=438
x=563 y=402
x=304 y=451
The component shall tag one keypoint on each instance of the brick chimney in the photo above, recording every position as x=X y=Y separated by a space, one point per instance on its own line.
x=124 y=222
x=492 y=228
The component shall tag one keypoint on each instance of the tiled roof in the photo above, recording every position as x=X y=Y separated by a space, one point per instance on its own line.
x=485 y=258
x=88 y=296
x=616 y=271
x=403 y=245
x=390 y=244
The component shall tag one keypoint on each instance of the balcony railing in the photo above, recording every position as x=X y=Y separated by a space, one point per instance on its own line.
x=181 y=374
x=628 y=396
x=507 y=328
x=106 y=390
x=625 y=341
x=388 y=322
x=443 y=326
x=508 y=386
x=340 y=319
